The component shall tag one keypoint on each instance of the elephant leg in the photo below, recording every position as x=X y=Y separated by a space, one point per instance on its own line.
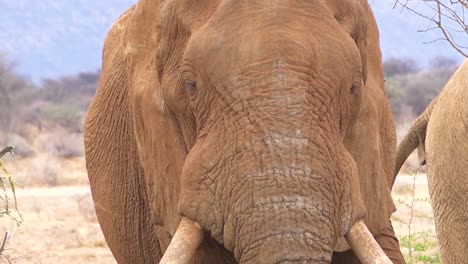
x=386 y=239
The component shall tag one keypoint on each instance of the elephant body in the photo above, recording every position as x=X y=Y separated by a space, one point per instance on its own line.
x=267 y=125
x=441 y=136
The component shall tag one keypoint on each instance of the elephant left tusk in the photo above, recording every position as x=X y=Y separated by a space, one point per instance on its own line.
x=364 y=245
x=185 y=242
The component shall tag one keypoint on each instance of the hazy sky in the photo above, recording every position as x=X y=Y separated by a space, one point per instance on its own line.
x=55 y=37
x=399 y=36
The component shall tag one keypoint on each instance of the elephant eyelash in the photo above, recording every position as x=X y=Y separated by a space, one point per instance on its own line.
x=190 y=87
x=354 y=88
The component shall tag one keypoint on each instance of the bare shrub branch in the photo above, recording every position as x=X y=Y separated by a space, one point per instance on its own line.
x=8 y=183
x=447 y=16
x=3 y=248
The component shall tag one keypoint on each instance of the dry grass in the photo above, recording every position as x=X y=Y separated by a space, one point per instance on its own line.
x=60 y=144
x=48 y=159
x=60 y=224
x=48 y=171
x=60 y=227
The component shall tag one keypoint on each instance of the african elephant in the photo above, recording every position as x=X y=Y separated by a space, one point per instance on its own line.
x=441 y=135
x=260 y=128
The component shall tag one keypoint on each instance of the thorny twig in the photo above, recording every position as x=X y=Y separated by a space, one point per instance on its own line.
x=2 y=248
x=8 y=149
x=411 y=213
x=443 y=13
x=5 y=182
x=11 y=181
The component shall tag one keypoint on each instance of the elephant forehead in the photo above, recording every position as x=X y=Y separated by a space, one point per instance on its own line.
x=298 y=31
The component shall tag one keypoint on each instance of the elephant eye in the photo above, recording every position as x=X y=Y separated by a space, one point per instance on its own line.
x=354 y=88
x=190 y=87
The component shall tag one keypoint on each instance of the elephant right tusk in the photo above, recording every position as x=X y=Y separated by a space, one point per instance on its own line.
x=364 y=245
x=185 y=242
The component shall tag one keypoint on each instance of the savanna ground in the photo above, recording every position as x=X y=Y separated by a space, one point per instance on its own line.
x=60 y=225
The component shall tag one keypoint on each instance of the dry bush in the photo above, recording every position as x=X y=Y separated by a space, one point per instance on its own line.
x=410 y=89
x=50 y=171
x=86 y=207
x=59 y=102
x=70 y=146
x=399 y=66
x=64 y=115
x=61 y=144
x=43 y=170
x=15 y=93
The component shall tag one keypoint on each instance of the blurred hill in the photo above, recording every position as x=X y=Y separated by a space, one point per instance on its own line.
x=51 y=38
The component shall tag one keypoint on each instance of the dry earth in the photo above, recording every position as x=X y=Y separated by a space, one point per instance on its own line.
x=60 y=225
x=413 y=219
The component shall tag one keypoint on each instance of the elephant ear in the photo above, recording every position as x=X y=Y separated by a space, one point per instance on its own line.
x=352 y=16
x=361 y=43
x=178 y=21
x=116 y=176
x=163 y=125
x=160 y=140
x=371 y=139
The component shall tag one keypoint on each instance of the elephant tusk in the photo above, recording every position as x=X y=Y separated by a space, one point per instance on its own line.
x=364 y=245
x=185 y=242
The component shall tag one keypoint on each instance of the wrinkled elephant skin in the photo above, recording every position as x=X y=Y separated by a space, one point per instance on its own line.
x=263 y=122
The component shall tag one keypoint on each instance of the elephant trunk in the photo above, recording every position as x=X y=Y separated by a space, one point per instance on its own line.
x=285 y=230
x=303 y=242
x=298 y=228
x=285 y=207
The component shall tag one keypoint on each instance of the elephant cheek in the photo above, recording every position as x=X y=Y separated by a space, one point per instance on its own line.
x=352 y=205
x=199 y=196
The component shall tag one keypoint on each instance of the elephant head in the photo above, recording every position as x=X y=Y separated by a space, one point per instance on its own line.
x=264 y=94
x=241 y=111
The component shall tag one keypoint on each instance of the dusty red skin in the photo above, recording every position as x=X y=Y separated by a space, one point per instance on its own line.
x=266 y=122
